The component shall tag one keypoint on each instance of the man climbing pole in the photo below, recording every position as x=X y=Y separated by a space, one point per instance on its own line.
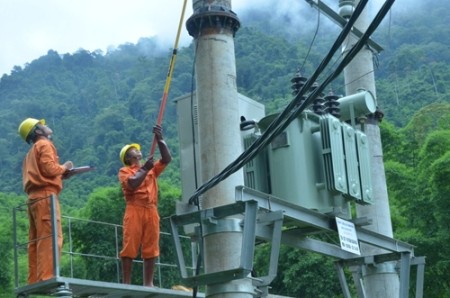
x=141 y=219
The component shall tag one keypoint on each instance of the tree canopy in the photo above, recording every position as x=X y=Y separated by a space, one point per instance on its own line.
x=96 y=103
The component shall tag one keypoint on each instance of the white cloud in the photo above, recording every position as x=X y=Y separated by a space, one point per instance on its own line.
x=29 y=28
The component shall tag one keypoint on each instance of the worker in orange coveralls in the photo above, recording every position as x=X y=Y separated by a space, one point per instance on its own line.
x=141 y=219
x=42 y=177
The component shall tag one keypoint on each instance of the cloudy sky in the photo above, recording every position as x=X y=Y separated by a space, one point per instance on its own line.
x=29 y=28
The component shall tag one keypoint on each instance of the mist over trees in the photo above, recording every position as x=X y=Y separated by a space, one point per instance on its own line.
x=95 y=103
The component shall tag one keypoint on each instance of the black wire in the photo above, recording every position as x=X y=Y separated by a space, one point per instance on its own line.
x=360 y=77
x=272 y=130
x=297 y=106
x=312 y=42
x=350 y=55
x=194 y=154
x=390 y=44
x=198 y=264
x=346 y=60
x=200 y=241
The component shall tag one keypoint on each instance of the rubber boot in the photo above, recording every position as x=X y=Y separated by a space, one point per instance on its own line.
x=149 y=269
x=127 y=264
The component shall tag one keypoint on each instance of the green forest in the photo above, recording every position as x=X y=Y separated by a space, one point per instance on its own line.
x=96 y=102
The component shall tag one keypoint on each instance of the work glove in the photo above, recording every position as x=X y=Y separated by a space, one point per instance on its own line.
x=148 y=165
x=157 y=130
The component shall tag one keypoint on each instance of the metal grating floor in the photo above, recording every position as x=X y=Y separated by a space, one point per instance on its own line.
x=80 y=288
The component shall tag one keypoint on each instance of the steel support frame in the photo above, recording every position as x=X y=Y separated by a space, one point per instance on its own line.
x=404 y=260
x=266 y=225
x=323 y=8
x=401 y=252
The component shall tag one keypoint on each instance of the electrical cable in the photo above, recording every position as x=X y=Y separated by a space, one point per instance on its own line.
x=347 y=59
x=312 y=41
x=389 y=38
x=298 y=105
x=360 y=77
x=280 y=126
x=194 y=154
x=200 y=241
x=312 y=79
x=268 y=135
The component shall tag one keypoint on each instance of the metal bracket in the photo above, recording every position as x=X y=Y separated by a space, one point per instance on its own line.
x=404 y=262
x=266 y=225
x=322 y=7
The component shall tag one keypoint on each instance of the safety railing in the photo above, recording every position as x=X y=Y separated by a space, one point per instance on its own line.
x=91 y=250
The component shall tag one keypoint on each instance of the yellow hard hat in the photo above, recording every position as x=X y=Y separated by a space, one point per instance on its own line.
x=27 y=125
x=124 y=150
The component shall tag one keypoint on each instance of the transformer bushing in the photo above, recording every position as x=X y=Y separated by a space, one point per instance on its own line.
x=213 y=17
x=318 y=106
x=332 y=105
x=298 y=81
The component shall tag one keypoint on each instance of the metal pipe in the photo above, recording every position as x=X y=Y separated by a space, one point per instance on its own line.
x=54 y=236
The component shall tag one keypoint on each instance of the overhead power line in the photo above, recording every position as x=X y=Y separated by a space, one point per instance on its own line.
x=298 y=105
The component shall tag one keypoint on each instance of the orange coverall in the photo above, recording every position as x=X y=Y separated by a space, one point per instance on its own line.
x=141 y=219
x=42 y=176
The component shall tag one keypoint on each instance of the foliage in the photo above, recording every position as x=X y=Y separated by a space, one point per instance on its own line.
x=11 y=204
x=419 y=199
x=96 y=103
x=297 y=271
x=96 y=239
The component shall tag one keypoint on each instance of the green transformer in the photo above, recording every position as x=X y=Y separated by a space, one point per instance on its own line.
x=318 y=162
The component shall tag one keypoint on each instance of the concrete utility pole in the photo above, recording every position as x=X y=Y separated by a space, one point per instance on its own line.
x=213 y=26
x=381 y=280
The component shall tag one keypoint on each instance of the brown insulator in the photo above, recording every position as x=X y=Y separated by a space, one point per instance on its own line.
x=298 y=81
x=332 y=105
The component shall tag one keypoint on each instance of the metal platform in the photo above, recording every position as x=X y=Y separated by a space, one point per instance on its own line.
x=72 y=287
x=65 y=284
x=271 y=219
